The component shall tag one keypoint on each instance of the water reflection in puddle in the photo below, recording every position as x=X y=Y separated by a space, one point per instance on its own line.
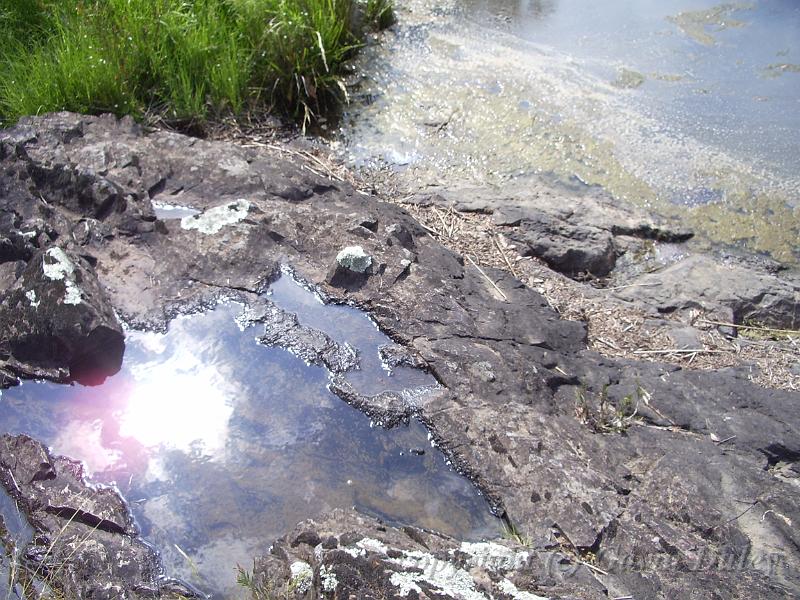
x=344 y=324
x=168 y=212
x=222 y=444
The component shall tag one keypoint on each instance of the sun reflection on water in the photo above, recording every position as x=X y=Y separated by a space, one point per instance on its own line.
x=185 y=410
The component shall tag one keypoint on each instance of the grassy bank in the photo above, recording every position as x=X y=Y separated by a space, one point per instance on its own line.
x=185 y=61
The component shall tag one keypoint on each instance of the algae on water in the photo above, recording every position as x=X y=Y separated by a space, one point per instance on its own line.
x=750 y=220
x=628 y=79
x=778 y=69
x=474 y=117
x=701 y=25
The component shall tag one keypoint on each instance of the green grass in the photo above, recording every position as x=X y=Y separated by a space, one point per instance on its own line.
x=185 y=62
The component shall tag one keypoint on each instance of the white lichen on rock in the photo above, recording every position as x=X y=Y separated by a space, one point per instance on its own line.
x=421 y=571
x=31 y=296
x=302 y=576
x=57 y=266
x=372 y=545
x=214 y=219
x=60 y=266
x=328 y=579
x=365 y=545
x=510 y=589
x=442 y=576
x=354 y=552
x=492 y=556
x=354 y=258
x=405 y=583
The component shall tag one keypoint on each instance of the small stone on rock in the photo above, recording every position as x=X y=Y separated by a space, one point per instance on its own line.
x=354 y=258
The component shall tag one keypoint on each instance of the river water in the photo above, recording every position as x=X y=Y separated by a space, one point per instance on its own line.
x=221 y=444
x=688 y=107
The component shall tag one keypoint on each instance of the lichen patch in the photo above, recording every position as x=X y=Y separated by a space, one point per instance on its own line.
x=31 y=296
x=509 y=588
x=442 y=576
x=57 y=266
x=214 y=219
x=302 y=576
x=493 y=557
x=328 y=579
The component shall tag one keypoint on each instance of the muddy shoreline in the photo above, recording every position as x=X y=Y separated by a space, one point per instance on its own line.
x=630 y=475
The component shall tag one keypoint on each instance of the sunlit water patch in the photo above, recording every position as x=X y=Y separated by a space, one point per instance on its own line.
x=222 y=444
x=690 y=107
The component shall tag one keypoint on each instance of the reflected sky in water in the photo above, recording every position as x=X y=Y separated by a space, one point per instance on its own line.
x=221 y=444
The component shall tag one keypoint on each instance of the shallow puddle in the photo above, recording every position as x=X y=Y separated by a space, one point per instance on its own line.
x=222 y=444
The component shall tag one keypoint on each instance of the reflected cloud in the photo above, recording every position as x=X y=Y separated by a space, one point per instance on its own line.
x=85 y=439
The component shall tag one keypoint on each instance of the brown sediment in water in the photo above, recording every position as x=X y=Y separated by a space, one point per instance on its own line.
x=700 y=25
x=778 y=69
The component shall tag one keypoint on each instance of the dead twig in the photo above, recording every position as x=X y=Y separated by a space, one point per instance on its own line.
x=609 y=344
x=739 y=516
x=489 y=279
x=504 y=257
x=593 y=568
x=430 y=230
x=680 y=351
x=445 y=228
x=727 y=439
x=312 y=170
x=750 y=327
x=329 y=172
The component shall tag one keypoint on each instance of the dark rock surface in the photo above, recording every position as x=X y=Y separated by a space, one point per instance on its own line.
x=395 y=355
x=387 y=409
x=85 y=542
x=729 y=291
x=349 y=555
x=57 y=322
x=692 y=491
x=585 y=235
